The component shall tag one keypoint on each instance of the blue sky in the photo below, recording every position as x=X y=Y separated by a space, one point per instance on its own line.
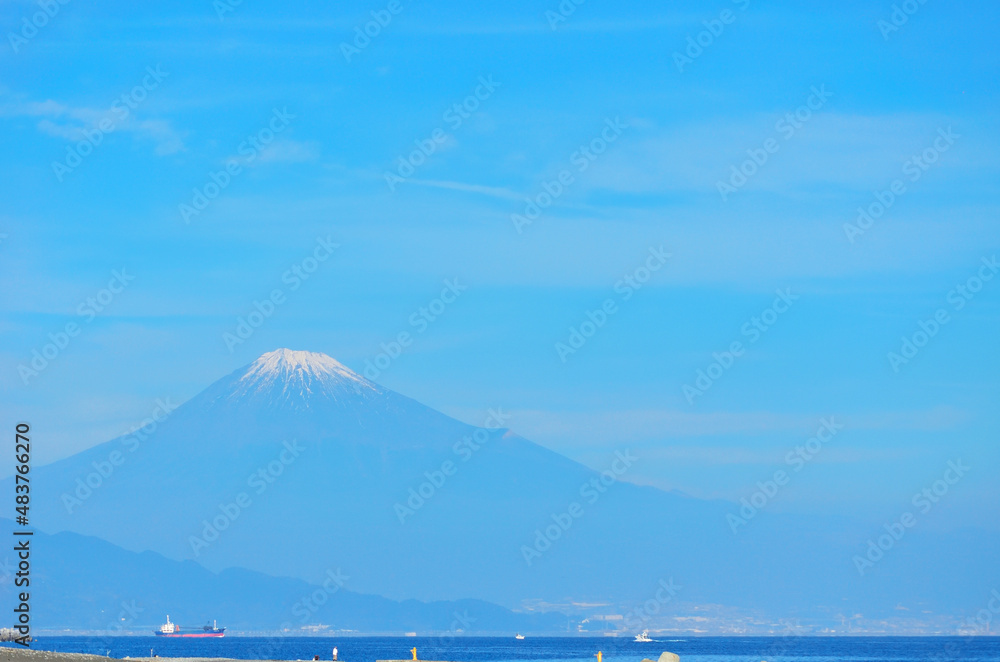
x=656 y=185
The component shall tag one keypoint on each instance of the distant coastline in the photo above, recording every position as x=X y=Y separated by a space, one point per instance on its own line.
x=508 y=649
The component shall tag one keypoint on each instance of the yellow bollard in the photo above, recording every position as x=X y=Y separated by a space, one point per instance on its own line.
x=414 y=651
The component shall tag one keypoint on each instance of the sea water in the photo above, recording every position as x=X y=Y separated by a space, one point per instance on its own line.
x=547 y=649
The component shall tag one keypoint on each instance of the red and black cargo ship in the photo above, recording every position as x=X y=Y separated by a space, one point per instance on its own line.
x=169 y=629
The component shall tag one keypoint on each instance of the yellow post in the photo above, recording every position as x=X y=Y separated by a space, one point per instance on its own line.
x=414 y=651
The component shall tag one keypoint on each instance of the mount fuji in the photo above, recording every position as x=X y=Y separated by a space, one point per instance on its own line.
x=295 y=466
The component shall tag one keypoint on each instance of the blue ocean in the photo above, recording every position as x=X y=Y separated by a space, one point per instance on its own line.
x=548 y=649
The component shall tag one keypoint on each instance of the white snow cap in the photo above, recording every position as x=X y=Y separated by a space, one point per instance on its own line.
x=285 y=372
x=282 y=361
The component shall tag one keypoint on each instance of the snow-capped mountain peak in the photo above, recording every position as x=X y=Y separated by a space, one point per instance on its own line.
x=288 y=376
x=281 y=363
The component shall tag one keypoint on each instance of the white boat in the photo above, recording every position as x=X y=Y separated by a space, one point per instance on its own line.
x=519 y=636
x=643 y=637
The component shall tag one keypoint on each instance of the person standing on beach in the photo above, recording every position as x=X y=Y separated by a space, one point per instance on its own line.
x=334 y=654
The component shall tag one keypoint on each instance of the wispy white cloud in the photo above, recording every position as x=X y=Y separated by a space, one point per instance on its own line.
x=50 y=128
x=830 y=149
x=68 y=122
x=289 y=151
x=749 y=249
x=168 y=141
x=493 y=191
